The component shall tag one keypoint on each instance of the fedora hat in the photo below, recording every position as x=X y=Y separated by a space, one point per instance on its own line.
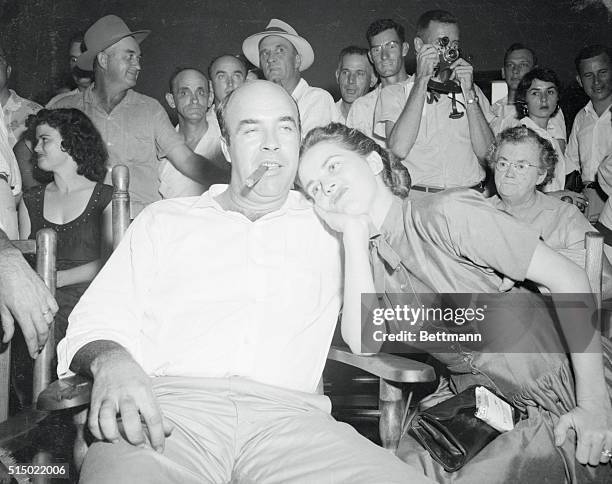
x=250 y=46
x=105 y=32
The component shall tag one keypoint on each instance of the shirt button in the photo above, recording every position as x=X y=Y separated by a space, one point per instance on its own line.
x=403 y=287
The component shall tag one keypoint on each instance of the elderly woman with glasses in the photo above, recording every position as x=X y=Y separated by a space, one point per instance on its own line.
x=523 y=163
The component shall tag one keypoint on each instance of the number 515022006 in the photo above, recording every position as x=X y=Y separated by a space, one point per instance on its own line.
x=58 y=471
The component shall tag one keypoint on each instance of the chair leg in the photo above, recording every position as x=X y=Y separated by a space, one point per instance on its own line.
x=80 y=445
x=391 y=407
x=42 y=459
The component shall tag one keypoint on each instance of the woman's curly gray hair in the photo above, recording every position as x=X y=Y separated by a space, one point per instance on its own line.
x=521 y=134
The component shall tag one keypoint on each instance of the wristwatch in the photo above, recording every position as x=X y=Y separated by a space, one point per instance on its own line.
x=473 y=100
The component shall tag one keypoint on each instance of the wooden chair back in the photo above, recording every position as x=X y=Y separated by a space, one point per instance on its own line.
x=44 y=247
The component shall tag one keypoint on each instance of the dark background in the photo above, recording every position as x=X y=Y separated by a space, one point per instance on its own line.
x=191 y=32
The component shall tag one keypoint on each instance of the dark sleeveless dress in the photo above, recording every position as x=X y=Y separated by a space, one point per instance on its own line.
x=78 y=242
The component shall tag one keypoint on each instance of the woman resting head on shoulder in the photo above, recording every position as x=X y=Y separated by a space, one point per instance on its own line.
x=457 y=241
x=75 y=204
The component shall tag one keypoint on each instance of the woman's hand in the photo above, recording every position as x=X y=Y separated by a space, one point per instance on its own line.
x=593 y=425
x=342 y=222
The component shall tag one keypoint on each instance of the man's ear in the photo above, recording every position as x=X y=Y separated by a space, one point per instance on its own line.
x=579 y=81
x=503 y=73
x=9 y=69
x=225 y=149
x=373 y=78
x=418 y=44
x=211 y=95
x=405 y=49
x=297 y=62
x=375 y=162
x=338 y=76
x=102 y=59
x=370 y=57
x=541 y=178
x=170 y=100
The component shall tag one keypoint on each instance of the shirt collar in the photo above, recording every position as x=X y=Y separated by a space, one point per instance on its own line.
x=89 y=98
x=295 y=200
x=300 y=89
x=390 y=232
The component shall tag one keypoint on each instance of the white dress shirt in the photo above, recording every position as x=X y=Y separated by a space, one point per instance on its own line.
x=197 y=291
x=316 y=106
x=442 y=155
x=172 y=183
x=361 y=115
x=590 y=141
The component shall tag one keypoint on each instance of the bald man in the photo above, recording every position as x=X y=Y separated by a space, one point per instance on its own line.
x=212 y=323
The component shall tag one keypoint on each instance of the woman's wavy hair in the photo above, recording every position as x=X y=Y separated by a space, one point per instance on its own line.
x=394 y=174
x=80 y=139
x=520 y=99
x=522 y=134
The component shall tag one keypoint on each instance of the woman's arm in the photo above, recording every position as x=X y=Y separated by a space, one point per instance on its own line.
x=25 y=226
x=592 y=418
x=358 y=278
x=8 y=216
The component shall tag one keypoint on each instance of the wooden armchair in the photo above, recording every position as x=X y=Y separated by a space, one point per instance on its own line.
x=394 y=372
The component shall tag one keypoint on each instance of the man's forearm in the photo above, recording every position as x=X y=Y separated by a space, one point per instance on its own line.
x=481 y=135
x=88 y=359
x=404 y=133
x=202 y=170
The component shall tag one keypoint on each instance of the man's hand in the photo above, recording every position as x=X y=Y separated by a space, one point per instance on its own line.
x=24 y=297
x=464 y=73
x=427 y=59
x=122 y=387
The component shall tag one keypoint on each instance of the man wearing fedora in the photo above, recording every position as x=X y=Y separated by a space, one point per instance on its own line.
x=282 y=55
x=135 y=127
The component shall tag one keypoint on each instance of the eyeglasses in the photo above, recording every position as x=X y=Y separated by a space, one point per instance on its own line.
x=376 y=50
x=520 y=167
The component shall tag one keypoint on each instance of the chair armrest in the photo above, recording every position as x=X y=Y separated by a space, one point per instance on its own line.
x=389 y=367
x=65 y=393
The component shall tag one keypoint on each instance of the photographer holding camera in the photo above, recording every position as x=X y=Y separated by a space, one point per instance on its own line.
x=438 y=124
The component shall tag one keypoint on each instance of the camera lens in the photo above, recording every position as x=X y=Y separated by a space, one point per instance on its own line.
x=452 y=54
x=444 y=41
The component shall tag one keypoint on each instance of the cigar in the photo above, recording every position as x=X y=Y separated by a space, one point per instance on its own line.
x=254 y=177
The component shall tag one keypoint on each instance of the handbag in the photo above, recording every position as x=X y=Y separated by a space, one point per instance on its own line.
x=451 y=432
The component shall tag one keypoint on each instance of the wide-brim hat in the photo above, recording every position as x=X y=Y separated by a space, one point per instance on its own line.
x=250 y=46
x=105 y=32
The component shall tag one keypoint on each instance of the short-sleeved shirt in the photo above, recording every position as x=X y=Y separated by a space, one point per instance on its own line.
x=456 y=241
x=316 y=106
x=560 y=225
x=16 y=111
x=9 y=169
x=137 y=133
x=505 y=112
x=442 y=154
x=60 y=96
x=172 y=183
x=590 y=141
x=361 y=115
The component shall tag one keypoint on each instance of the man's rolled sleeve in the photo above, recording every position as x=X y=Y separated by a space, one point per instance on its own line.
x=166 y=136
x=114 y=306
